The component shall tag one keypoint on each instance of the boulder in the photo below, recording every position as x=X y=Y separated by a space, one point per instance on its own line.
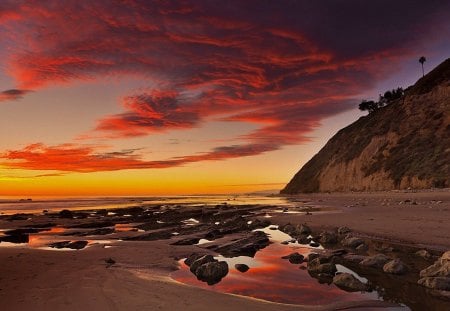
x=201 y=261
x=241 y=267
x=328 y=237
x=315 y=266
x=395 y=266
x=247 y=246
x=348 y=282
x=362 y=248
x=294 y=258
x=440 y=268
x=191 y=258
x=304 y=229
x=375 y=261
x=438 y=283
x=352 y=242
x=212 y=272
x=343 y=230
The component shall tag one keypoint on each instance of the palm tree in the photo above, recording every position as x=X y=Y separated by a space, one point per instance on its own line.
x=422 y=60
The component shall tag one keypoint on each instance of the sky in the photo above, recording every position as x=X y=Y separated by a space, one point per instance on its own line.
x=115 y=98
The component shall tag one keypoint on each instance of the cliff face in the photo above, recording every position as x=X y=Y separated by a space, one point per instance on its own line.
x=405 y=144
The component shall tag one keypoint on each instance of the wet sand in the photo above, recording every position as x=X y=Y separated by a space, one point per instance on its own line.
x=39 y=279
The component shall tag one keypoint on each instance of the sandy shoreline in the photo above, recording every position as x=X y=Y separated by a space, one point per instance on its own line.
x=72 y=280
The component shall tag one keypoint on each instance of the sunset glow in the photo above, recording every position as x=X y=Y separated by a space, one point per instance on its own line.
x=188 y=97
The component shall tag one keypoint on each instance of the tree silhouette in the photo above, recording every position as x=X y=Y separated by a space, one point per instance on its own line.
x=422 y=60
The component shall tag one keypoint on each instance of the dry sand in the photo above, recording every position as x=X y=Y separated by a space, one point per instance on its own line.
x=32 y=279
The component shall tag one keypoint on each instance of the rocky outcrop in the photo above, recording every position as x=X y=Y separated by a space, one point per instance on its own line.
x=394 y=147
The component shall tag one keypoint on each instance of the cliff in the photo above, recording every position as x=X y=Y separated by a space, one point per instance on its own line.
x=404 y=144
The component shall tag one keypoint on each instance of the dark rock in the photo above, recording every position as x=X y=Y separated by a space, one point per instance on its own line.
x=241 y=267
x=328 y=237
x=438 y=283
x=362 y=248
x=348 y=282
x=375 y=261
x=343 y=230
x=98 y=224
x=395 y=267
x=65 y=214
x=352 y=242
x=16 y=238
x=354 y=258
x=201 y=261
x=294 y=258
x=303 y=239
x=212 y=272
x=247 y=246
x=304 y=229
x=191 y=258
x=316 y=266
x=188 y=241
x=314 y=244
x=110 y=262
x=68 y=244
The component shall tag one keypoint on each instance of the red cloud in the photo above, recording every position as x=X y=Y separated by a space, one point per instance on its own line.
x=283 y=66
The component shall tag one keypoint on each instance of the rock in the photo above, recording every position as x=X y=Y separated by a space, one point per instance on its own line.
x=348 y=282
x=352 y=242
x=191 y=258
x=446 y=256
x=247 y=246
x=68 y=244
x=77 y=245
x=15 y=238
x=212 y=272
x=241 y=267
x=438 y=283
x=316 y=266
x=354 y=258
x=304 y=229
x=328 y=237
x=109 y=262
x=188 y=241
x=201 y=261
x=423 y=253
x=294 y=258
x=441 y=267
x=362 y=248
x=395 y=267
x=303 y=239
x=343 y=230
x=65 y=214
x=375 y=261
x=314 y=244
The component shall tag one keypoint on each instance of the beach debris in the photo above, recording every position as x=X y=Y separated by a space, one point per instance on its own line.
x=375 y=261
x=241 y=267
x=349 y=282
x=395 y=266
x=294 y=258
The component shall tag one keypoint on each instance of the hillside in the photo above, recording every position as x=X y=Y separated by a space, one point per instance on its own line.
x=405 y=144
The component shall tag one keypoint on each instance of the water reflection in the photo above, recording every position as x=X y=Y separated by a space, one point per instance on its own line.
x=274 y=279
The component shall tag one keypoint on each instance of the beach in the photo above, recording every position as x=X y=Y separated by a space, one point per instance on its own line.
x=125 y=268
